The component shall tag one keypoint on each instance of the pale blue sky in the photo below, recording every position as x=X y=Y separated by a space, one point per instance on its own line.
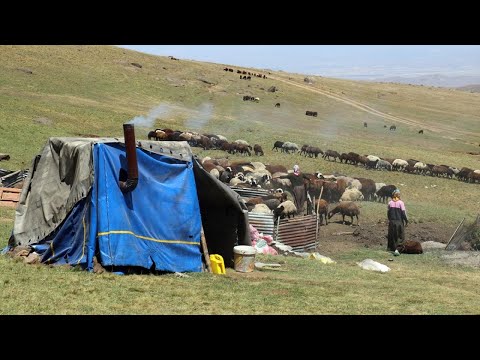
x=345 y=61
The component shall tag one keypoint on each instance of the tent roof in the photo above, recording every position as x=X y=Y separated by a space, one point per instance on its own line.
x=62 y=175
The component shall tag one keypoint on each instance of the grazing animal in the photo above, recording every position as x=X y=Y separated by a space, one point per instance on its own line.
x=352 y=194
x=289 y=146
x=385 y=192
x=276 y=168
x=322 y=206
x=382 y=164
x=277 y=145
x=420 y=132
x=285 y=209
x=277 y=105
x=393 y=128
x=365 y=124
x=311 y=113
x=331 y=153
x=348 y=208
x=258 y=150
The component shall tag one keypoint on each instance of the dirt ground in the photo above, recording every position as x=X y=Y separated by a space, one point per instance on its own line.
x=374 y=235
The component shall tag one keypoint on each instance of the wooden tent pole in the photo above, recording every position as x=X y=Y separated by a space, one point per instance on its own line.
x=205 y=250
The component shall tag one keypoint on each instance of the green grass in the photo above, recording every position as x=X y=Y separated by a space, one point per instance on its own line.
x=85 y=90
x=419 y=284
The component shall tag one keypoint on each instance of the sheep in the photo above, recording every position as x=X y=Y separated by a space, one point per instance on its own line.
x=286 y=208
x=242 y=142
x=399 y=164
x=348 y=208
x=420 y=167
x=258 y=165
x=378 y=186
x=382 y=164
x=277 y=145
x=356 y=184
x=351 y=194
x=287 y=146
x=368 y=188
x=206 y=158
x=255 y=200
x=258 y=150
x=373 y=158
x=276 y=168
x=215 y=173
x=261 y=209
x=322 y=206
x=385 y=192
x=238 y=179
x=272 y=203
x=227 y=175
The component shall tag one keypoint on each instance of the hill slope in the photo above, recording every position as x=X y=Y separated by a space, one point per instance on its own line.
x=92 y=90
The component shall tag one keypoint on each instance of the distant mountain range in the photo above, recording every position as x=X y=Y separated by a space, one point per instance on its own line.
x=436 y=80
x=471 y=88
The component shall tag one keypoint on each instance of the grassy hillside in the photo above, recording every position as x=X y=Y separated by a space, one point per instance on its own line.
x=92 y=90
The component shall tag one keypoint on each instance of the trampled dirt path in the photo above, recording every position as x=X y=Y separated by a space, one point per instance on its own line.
x=372 y=111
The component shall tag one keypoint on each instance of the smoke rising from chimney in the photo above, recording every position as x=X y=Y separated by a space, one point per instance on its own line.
x=149 y=120
x=204 y=114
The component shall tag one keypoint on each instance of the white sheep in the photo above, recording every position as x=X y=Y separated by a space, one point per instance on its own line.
x=258 y=165
x=399 y=164
x=261 y=209
x=215 y=173
x=286 y=208
x=243 y=142
x=351 y=194
x=373 y=157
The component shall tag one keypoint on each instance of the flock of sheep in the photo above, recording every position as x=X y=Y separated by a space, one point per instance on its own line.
x=345 y=190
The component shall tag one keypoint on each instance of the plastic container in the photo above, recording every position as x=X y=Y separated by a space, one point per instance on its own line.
x=217 y=264
x=244 y=258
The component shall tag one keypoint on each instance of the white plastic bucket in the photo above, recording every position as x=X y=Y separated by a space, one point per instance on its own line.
x=244 y=258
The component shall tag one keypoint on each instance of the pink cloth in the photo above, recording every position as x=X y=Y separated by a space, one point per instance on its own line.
x=397 y=204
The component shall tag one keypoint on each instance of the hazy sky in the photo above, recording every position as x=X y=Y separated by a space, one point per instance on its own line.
x=347 y=61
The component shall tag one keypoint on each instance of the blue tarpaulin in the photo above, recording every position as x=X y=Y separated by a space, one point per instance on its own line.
x=156 y=226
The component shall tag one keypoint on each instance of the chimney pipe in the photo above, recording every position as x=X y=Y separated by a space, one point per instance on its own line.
x=131 y=152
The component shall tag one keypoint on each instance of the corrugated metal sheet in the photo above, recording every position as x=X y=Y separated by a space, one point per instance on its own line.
x=249 y=192
x=4 y=172
x=264 y=223
x=13 y=178
x=298 y=232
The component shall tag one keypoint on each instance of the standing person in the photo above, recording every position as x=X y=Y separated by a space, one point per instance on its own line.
x=299 y=191
x=397 y=220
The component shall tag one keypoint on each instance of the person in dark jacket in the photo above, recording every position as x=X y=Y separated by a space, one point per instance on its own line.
x=299 y=191
x=397 y=220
